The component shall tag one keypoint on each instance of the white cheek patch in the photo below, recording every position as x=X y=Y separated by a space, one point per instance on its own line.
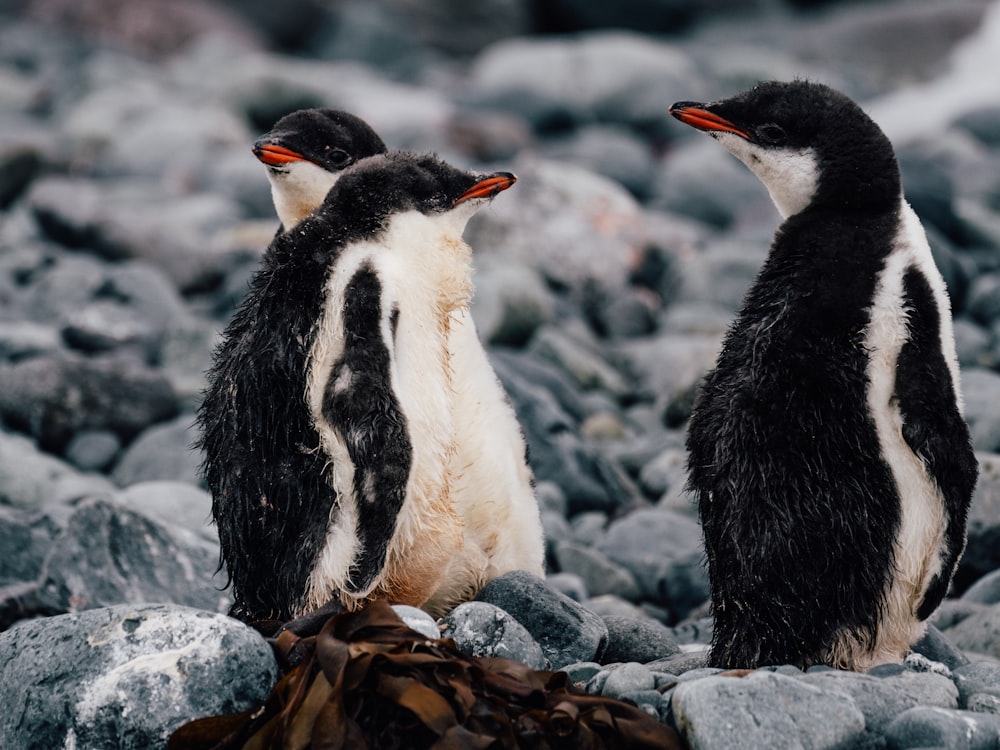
x=791 y=176
x=298 y=190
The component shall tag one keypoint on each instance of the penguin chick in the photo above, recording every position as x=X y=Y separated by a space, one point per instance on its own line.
x=306 y=151
x=828 y=450
x=357 y=443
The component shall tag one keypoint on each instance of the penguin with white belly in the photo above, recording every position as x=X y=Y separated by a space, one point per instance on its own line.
x=357 y=443
x=827 y=449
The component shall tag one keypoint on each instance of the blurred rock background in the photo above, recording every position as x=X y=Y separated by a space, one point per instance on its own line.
x=132 y=214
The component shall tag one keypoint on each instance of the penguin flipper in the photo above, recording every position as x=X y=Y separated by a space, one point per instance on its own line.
x=359 y=401
x=933 y=426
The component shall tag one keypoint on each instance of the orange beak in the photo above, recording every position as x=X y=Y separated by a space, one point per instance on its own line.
x=488 y=187
x=694 y=115
x=274 y=155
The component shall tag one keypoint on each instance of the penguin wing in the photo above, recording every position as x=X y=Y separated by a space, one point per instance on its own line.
x=933 y=426
x=360 y=404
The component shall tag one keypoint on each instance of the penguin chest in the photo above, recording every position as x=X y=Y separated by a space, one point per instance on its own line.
x=380 y=391
x=919 y=543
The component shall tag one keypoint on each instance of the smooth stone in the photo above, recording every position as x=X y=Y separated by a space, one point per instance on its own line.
x=637 y=639
x=418 y=620
x=569 y=584
x=982 y=552
x=483 y=629
x=981 y=390
x=930 y=726
x=686 y=662
x=764 y=710
x=629 y=677
x=611 y=605
x=23 y=339
x=566 y=631
x=882 y=699
x=93 y=450
x=935 y=646
x=600 y=575
x=55 y=397
x=29 y=533
x=108 y=555
x=126 y=676
x=588 y=527
x=581 y=672
x=33 y=479
x=663 y=551
x=580 y=359
x=162 y=452
x=697 y=630
x=984 y=591
x=171 y=502
x=511 y=302
x=976 y=678
x=979 y=633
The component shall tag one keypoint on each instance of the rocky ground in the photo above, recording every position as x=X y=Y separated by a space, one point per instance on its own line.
x=132 y=214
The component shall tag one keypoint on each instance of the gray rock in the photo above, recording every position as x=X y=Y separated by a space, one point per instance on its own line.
x=977 y=678
x=110 y=555
x=106 y=325
x=704 y=182
x=609 y=151
x=979 y=633
x=126 y=676
x=983 y=703
x=569 y=584
x=610 y=605
x=31 y=535
x=164 y=451
x=417 y=619
x=697 y=630
x=663 y=551
x=588 y=527
x=936 y=647
x=629 y=677
x=23 y=339
x=928 y=726
x=558 y=453
x=35 y=480
x=61 y=287
x=984 y=591
x=600 y=575
x=972 y=344
x=93 y=450
x=178 y=233
x=981 y=389
x=982 y=552
x=953 y=611
x=566 y=631
x=764 y=710
x=511 y=302
x=54 y=397
x=610 y=77
x=580 y=358
x=667 y=471
x=483 y=629
x=581 y=672
x=683 y=663
x=173 y=503
x=637 y=639
x=882 y=699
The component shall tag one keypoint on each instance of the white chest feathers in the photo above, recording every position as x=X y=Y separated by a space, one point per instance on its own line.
x=469 y=511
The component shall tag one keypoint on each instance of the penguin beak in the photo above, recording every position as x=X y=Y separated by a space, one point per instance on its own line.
x=488 y=187
x=695 y=115
x=274 y=155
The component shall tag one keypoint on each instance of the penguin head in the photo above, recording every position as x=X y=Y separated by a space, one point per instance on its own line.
x=811 y=146
x=306 y=151
x=399 y=181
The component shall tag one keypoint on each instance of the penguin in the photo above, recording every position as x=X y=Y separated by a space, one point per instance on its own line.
x=828 y=452
x=357 y=443
x=306 y=151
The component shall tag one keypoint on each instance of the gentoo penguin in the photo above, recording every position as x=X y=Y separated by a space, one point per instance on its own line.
x=306 y=151
x=357 y=442
x=827 y=448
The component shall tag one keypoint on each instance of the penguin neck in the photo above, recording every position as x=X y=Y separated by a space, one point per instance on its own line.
x=297 y=189
x=431 y=248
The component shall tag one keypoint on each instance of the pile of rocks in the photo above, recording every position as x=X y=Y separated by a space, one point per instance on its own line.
x=133 y=214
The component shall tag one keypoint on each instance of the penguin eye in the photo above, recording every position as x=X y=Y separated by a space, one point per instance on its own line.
x=771 y=133
x=338 y=157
